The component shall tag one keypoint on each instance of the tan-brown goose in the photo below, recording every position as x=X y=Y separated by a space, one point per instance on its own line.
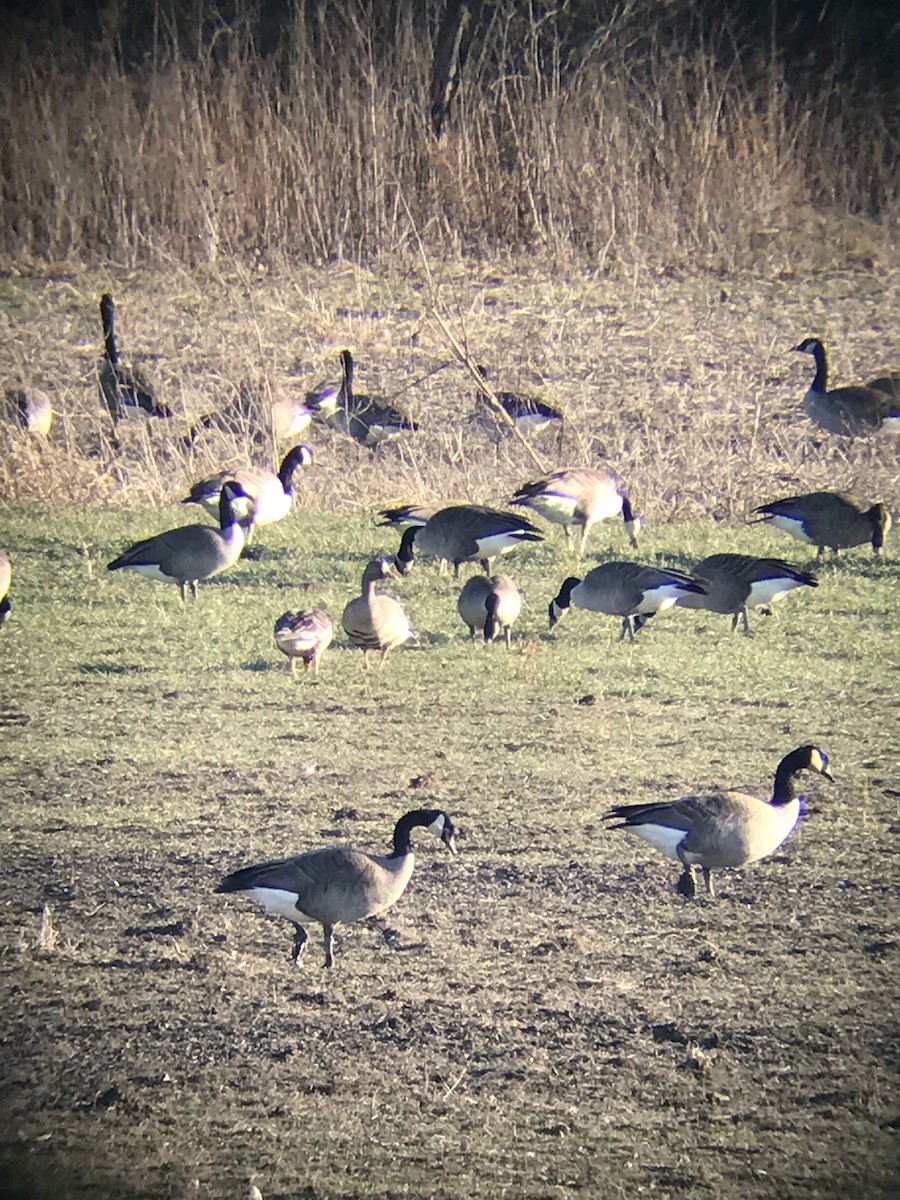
x=269 y=494
x=304 y=635
x=466 y=533
x=30 y=409
x=527 y=413
x=577 y=499
x=375 y=622
x=735 y=583
x=490 y=606
x=854 y=411
x=722 y=829
x=828 y=520
x=124 y=392
x=5 y=582
x=624 y=589
x=337 y=885
x=192 y=552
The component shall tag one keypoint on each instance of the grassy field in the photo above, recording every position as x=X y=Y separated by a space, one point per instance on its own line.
x=540 y=1016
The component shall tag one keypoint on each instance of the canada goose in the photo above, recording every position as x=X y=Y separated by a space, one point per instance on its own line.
x=737 y=582
x=5 y=581
x=191 y=552
x=828 y=519
x=852 y=411
x=338 y=885
x=722 y=829
x=269 y=495
x=258 y=412
x=30 y=409
x=367 y=419
x=527 y=413
x=466 y=533
x=373 y=621
x=124 y=392
x=401 y=516
x=490 y=605
x=305 y=635
x=624 y=589
x=886 y=383
x=578 y=498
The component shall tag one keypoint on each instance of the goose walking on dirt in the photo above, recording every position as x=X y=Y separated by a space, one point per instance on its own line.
x=376 y=622
x=577 y=499
x=338 y=885
x=490 y=606
x=734 y=583
x=369 y=420
x=854 y=411
x=466 y=533
x=828 y=520
x=192 y=552
x=269 y=495
x=124 y=392
x=304 y=635
x=722 y=829
x=624 y=589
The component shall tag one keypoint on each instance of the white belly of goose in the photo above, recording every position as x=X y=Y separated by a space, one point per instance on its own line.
x=793 y=526
x=766 y=591
x=497 y=543
x=660 y=598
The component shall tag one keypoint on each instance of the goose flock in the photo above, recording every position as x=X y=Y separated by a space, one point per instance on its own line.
x=708 y=831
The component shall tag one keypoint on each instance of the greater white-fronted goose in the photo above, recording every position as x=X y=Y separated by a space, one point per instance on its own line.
x=304 y=635
x=490 y=606
x=373 y=621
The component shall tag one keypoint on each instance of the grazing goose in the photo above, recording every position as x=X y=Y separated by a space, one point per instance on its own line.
x=490 y=605
x=269 y=495
x=401 y=516
x=373 y=621
x=5 y=581
x=466 y=533
x=527 y=413
x=578 y=499
x=258 y=412
x=338 y=885
x=831 y=520
x=124 y=392
x=367 y=419
x=191 y=552
x=624 y=589
x=722 y=829
x=30 y=409
x=735 y=583
x=305 y=635
x=852 y=411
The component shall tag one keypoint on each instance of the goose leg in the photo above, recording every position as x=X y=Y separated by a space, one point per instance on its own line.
x=486 y=566
x=182 y=584
x=194 y=588
x=747 y=632
x=329 y=945
x=300 y=939
x=687 y=884
x=508 y=632
x=707 y=879
x=628 y=628
x=384 y=655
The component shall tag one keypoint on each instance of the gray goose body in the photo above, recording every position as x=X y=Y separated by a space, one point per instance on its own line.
x=304 y=635
x=466 y=533
x=269 y=494
x=490 y=606
x=854 y=411
x=124 y=392
x=624 y=589
x=375 y=622
x=828 y=520
x=722 y=829
x=192 y=552
x=369 y=420
x=577 y=499
x=527 y=413
x=735 y=583
x=337 y=885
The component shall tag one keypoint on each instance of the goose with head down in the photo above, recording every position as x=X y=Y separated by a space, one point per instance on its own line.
x=466 y=533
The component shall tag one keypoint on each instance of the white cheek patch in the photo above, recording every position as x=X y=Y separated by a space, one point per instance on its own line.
x=437 y=825
x=661 y=837
x=278 y=902
x=793 y=526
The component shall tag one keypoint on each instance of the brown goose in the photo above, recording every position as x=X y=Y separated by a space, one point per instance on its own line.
x=624 y=589
x=491 y=606
x=305 y=635
x=831 y=520
x=578 y=499
x=337 y=885
x=722 y=829
x=373 y=621
x=854 y=411
x=734 y=583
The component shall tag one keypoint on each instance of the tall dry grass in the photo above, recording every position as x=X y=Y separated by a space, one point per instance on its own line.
x=643 y=132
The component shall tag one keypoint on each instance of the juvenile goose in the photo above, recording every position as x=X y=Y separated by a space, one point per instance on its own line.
x=852 y=411
x=828 y=520
x=367 y=419
x=373 y=621
x=191 y=552
x=338 y=885
x=30 y=409
x=722 y=829
x=624 y=589
x=305 y=635
x=269 y=495
x=735 y=583
x=527 y=413
x=490 y=605
x=466 y=533
x=124 y=392
x=578 y=499
x=5 y=581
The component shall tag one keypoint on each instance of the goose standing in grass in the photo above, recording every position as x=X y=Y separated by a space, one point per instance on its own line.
x=373 y=621
x=305 y=635
x=527 y=413
x=30 y=409
x=578 y=499
x=490 y=606
x=269 y=495
x=369 y=420
x=854 y=411
x=192 y=552
x=466 y=533
x=338 y=885
x=722 y=829
x=5 y=581
x=735 y=583
x=401 y=516
x=124 y=392
x=828 y=520
x=624 y=589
